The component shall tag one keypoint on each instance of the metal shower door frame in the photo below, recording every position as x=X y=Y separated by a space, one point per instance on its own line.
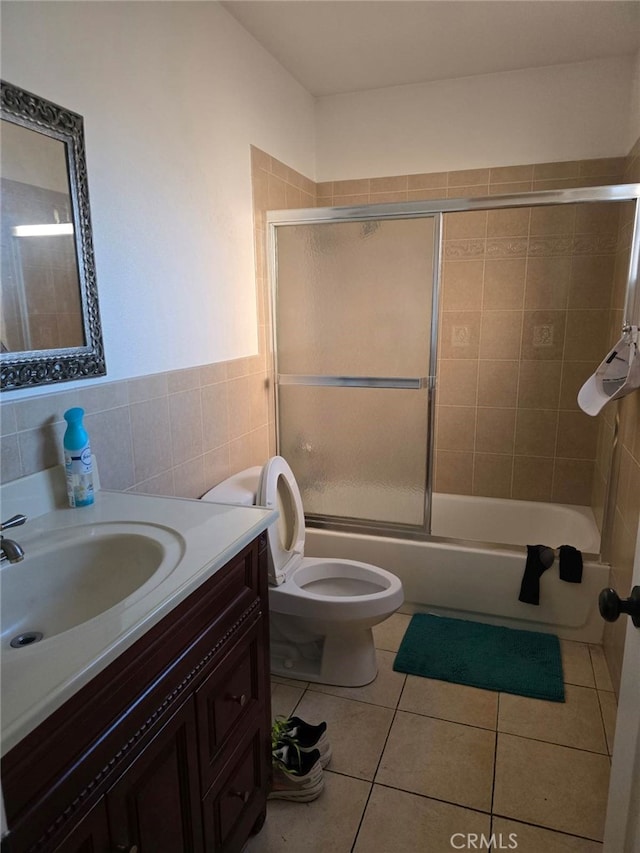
x=435 y=208
x=393 y=382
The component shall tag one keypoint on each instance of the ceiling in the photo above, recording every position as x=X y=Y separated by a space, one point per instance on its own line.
x=334 y=46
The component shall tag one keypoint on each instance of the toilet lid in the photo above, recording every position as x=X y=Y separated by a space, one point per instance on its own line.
x=278 y=490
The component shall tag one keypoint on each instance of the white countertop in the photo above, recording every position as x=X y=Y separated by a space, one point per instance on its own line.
x=38 y=679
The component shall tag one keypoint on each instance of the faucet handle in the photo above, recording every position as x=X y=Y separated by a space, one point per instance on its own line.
x=14 y=521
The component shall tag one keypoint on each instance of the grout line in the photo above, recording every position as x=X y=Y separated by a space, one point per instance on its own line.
x=554 y=743
x=548 y=828
x=482 y=315
x=435 y=799
x=349 y=698
x=593 y=669
x=361 y=821
x=604 y=727
x=495 y=761
x=375 y=773
x=446 y=720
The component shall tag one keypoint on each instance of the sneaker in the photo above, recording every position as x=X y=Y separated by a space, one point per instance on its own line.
x=296 y=775
x=303 y=736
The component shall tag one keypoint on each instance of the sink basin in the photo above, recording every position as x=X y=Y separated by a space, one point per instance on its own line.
x=75 y=574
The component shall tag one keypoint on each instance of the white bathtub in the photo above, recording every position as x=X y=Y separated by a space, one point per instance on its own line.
x=482 y=581
x=515 y=522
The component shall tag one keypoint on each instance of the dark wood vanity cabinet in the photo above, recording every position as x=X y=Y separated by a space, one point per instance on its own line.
x=168 y=750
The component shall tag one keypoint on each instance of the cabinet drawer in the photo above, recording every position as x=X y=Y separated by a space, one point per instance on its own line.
x=235 y=802
x=229 y=699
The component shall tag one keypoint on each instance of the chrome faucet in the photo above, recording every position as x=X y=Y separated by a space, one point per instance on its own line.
x=10 y=550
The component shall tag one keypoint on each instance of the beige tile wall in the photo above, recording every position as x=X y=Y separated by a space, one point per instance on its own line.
x=613 y=320
x=471 y=182
x=627 y=498
x=275 y=187
x=176 y=433
x=521 y=328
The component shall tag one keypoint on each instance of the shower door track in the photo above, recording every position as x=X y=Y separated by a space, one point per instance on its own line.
x=437 y=208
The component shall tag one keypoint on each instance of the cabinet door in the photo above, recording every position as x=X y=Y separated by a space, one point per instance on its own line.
x=229 y=699
x=91 y=835
x=154 y=806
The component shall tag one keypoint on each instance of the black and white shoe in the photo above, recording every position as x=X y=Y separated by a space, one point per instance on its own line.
x=303 y=736
x=297 y=775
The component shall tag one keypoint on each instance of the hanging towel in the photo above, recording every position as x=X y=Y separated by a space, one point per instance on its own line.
x=539 y=559
x=570 y=564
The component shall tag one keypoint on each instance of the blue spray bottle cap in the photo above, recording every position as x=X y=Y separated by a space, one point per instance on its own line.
x=75 y=436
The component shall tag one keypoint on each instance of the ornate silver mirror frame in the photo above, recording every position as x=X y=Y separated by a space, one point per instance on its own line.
x=45 y=365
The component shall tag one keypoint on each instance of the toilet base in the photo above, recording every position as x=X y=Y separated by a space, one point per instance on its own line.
x=345 y=658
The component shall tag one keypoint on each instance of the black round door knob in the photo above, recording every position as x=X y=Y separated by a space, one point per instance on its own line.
x=611 y=605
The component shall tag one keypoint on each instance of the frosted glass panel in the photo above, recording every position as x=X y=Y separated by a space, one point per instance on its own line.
x=354 y=298
x=357 y=452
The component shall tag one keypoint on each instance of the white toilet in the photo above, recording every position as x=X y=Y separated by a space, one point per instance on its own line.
x=321 y=610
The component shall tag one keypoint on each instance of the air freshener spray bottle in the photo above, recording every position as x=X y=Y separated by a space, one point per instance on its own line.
x=77 y=460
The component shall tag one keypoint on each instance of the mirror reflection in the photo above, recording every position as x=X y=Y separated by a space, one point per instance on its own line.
x=40 y=281
x=50 y=327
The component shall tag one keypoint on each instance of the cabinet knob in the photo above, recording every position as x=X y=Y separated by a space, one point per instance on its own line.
x=243 y=795
x=241 y=700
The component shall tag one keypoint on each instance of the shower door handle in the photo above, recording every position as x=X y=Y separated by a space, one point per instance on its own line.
x=407 y=383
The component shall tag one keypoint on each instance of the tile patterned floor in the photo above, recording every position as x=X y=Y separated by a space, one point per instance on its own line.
x=419 y=764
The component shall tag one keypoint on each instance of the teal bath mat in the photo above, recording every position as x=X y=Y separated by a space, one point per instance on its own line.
x=527 y=663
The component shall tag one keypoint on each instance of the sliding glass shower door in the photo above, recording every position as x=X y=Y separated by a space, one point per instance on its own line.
x=353 y=303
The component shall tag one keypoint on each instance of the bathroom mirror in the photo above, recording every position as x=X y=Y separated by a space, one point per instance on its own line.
x=50 y=324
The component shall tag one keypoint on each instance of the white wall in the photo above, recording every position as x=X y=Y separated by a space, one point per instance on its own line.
x=564 y=112
x=172 y=95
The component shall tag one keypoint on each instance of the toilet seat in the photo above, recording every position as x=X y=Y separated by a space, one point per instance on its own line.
x=336 y=590
x=278 y=490
x=325 y=588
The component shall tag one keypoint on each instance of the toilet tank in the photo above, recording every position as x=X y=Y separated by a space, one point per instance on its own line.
x=240 y=489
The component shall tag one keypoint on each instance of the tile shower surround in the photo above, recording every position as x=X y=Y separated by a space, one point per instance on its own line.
x=210 y=421
x=523 y=292
x=520 y=330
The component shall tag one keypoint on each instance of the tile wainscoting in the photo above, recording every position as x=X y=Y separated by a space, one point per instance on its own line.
x=177 y=433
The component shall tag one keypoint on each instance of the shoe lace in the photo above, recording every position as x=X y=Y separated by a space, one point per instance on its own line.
x=281 y=736
x=279 y=731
